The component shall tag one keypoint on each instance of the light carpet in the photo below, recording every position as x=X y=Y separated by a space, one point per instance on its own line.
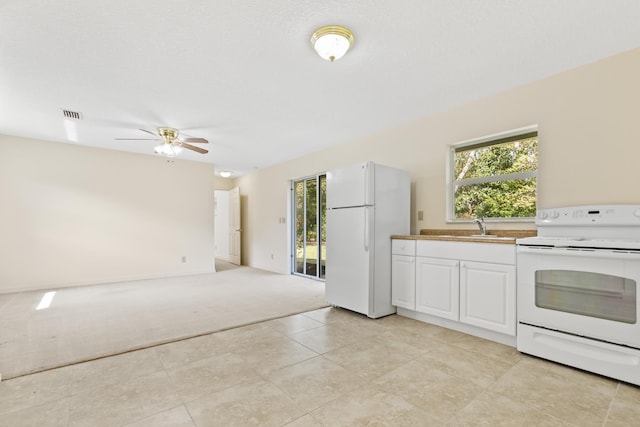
x=90 y=322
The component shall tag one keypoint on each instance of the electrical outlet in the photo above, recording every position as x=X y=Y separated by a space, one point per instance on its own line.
x=184 y=259
x=420 y=215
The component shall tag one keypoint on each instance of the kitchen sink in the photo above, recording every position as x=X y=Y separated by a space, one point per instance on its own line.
x=474 y=236
x=491 y=236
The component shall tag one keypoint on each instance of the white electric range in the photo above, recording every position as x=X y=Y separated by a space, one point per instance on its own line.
x=578 y=296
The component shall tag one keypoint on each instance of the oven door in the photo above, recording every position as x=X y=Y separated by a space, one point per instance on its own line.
x=587 y=292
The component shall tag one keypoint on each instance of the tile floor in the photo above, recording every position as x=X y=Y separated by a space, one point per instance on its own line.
x=327 y=367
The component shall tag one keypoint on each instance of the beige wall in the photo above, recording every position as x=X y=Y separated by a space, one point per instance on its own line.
x=588 y=139
x=224 y=183
x=75 y=215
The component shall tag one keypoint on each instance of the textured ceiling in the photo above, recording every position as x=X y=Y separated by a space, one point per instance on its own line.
x=243 y=74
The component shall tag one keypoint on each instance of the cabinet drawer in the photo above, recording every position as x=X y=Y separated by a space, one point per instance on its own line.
x=403 y=247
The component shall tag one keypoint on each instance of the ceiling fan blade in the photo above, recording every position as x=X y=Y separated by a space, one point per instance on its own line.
x=148 y=131
x=194 y=148
x=196 y=140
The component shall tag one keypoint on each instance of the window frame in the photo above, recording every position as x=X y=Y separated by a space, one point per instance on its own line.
x=485 y=141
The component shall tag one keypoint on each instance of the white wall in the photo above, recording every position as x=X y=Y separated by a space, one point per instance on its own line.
x=75 y=215
x=222 y=224
x=589 y=146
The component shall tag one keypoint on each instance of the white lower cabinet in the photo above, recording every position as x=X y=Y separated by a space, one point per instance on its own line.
x=403 y=277
x=436 y=287
x=469 y=283
x=488 y=296
x=403 y=273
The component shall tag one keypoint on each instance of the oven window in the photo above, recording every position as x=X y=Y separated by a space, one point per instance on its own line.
x=589 y=294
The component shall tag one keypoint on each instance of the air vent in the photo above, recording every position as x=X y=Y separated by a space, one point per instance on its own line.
x=72 y=114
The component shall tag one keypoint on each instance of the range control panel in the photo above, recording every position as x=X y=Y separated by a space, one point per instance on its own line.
x=596 y=215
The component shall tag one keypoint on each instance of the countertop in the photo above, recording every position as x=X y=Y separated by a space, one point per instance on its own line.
x=456 y=235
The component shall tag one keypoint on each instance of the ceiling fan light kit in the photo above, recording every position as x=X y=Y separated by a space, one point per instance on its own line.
x=169 y=150
x=332 y=41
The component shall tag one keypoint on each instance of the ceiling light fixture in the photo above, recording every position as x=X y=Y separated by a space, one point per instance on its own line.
x=171 y=146
x=225 y=174
x=168 y=149
x=332 y=42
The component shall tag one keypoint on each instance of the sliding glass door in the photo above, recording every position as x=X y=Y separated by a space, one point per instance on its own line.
x=309 y=237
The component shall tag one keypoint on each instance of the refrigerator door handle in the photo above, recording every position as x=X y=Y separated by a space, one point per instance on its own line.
x=366 y=230
x=366 y=184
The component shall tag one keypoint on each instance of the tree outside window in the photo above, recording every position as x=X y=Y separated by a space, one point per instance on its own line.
x=309 y=234
x=495 y=178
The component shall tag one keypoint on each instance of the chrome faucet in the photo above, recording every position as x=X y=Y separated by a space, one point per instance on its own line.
x=481 y=225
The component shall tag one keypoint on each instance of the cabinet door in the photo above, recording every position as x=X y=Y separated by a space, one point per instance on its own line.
x=403 y=281
x=437 y=288
x=488 y=296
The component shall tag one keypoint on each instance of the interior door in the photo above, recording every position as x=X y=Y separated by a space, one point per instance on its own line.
x=221 y=200
x=235 y=228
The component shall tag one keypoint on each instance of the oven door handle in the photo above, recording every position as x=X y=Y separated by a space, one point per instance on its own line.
x=577 y=252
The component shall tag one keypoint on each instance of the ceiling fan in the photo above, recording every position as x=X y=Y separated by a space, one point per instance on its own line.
x=171 y=145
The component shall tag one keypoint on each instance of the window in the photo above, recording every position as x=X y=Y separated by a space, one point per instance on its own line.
x=494 y=177
x=309 y=231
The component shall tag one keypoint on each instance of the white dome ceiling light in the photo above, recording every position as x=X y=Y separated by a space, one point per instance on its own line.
x=332 y=42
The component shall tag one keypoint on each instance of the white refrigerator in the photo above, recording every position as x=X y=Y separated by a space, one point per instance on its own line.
x=366 y=204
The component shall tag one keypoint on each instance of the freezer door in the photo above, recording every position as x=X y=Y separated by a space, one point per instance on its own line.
x=351 y=186
x=349 y=252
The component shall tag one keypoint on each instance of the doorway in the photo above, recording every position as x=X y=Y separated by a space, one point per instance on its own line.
x=227 y=225
x=309 y=197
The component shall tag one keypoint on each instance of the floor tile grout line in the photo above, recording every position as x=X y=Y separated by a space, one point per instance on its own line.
x=310 y=413
x=541 y=409
x=170 y=378
x=613 y=398
x=186 y=408
x=485 y=390
x=136 y=420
